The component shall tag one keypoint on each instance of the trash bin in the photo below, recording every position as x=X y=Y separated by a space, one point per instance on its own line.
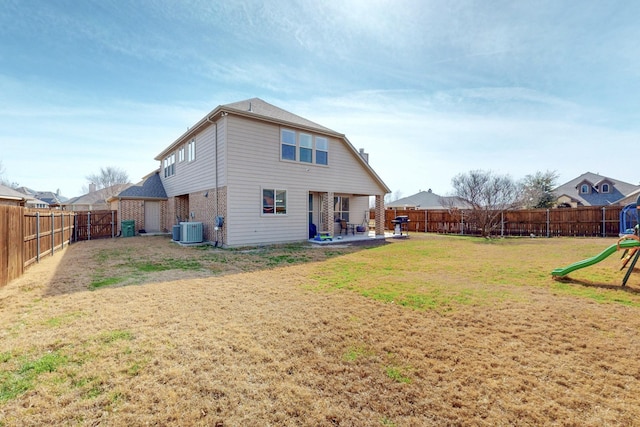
x=176 y=233
x=128 y=228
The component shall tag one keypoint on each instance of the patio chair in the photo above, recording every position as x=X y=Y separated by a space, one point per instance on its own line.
x=343 y=227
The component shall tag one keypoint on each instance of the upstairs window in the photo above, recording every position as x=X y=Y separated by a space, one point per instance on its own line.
x=303 y=147
x=191 y=150
x=584 y=189
x=604 y=188
x=322 y=149
x=274 y=202
x=181 y=154
x=169 y=164
x=288 y=144
x=306 y=148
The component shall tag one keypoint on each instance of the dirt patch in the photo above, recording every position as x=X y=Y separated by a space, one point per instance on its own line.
x=249 y=339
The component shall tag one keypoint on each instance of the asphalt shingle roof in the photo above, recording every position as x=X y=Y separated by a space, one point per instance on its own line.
x=618 y=190
x=150 y=188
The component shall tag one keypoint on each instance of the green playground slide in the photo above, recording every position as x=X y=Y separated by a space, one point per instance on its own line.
x=625 y=244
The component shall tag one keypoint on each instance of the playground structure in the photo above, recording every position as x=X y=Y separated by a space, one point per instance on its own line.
x=628 y=219
x=629 y=243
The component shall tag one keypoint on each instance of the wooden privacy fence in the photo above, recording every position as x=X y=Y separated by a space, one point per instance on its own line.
x=27 y=235
x=95 y=225
x=596 y=221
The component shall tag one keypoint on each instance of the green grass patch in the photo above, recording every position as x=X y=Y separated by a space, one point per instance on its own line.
x=14 y=382
x=354 y=353
x=445 y=273
x=397 y=374
x=167 y=264
x=115 y=335
x=105 y=281
x=64 y=319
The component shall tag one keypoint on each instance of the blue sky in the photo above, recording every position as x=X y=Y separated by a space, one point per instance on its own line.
x=430 y=89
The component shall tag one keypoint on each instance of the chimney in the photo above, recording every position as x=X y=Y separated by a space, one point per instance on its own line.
x=364 y=155
x=92 y=188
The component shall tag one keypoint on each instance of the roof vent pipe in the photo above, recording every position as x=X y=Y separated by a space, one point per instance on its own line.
x=250 y=107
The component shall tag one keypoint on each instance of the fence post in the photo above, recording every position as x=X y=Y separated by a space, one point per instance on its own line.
x=62 y=225
x=461 y=221
x=89 y=225
x=112 y=225
x=426 y=220
x=548 y=225
x=53 y=233
x=37 y=236
x=502 y=224
x=604 y=224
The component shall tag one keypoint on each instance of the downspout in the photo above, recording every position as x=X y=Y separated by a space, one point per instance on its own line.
x=215 y=139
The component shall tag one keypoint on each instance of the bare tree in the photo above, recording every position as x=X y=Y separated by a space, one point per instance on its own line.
x=392 y=197
x=488 y=195
x=110 y=181
x=537 y=189
x=3 y=179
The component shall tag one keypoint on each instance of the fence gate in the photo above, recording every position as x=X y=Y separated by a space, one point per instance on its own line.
x=95 y=225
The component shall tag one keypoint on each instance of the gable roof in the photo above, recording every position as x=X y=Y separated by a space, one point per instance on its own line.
x=149 y=188
x=257 y=109
x=50 y=197
x=426 y=200
x=96 y=197
x=7 y=193
x=619 y=190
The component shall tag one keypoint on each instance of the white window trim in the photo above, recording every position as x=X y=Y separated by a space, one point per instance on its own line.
x=169 y=165
x=297 y=148
x=191 y=150
x=275 y=210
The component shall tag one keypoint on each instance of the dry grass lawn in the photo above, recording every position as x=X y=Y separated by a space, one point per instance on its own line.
x=433 y=330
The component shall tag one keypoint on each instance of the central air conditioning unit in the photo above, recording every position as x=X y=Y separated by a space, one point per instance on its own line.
x=191 y=232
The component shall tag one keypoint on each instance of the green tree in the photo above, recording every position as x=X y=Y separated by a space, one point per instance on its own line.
x=537 y=189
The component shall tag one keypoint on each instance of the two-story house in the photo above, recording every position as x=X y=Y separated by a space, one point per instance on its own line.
x=253 y=174
x=590 y=189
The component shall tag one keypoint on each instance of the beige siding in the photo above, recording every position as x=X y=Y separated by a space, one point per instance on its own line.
x=254 y=163
x=198 y=175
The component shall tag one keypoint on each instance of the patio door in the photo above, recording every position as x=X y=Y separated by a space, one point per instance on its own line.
x=313 y=212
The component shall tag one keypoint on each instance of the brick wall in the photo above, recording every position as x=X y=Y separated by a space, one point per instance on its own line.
x=199 y=207
x=131 y=209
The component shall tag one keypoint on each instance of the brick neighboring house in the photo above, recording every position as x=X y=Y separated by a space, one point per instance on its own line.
x=145 y=203
x=268 y=174
x=590 y=189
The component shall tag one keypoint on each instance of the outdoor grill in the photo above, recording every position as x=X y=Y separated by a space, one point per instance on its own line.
x=400 y=225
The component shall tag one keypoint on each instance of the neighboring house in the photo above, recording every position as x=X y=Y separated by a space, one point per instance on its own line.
x=253 y=173
x=54 y=200
x=41 y=199
x=94 y=200
x=426 y=200
x=590 y=189
x=145 y=203
x=36 y=203
x=11 y=197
